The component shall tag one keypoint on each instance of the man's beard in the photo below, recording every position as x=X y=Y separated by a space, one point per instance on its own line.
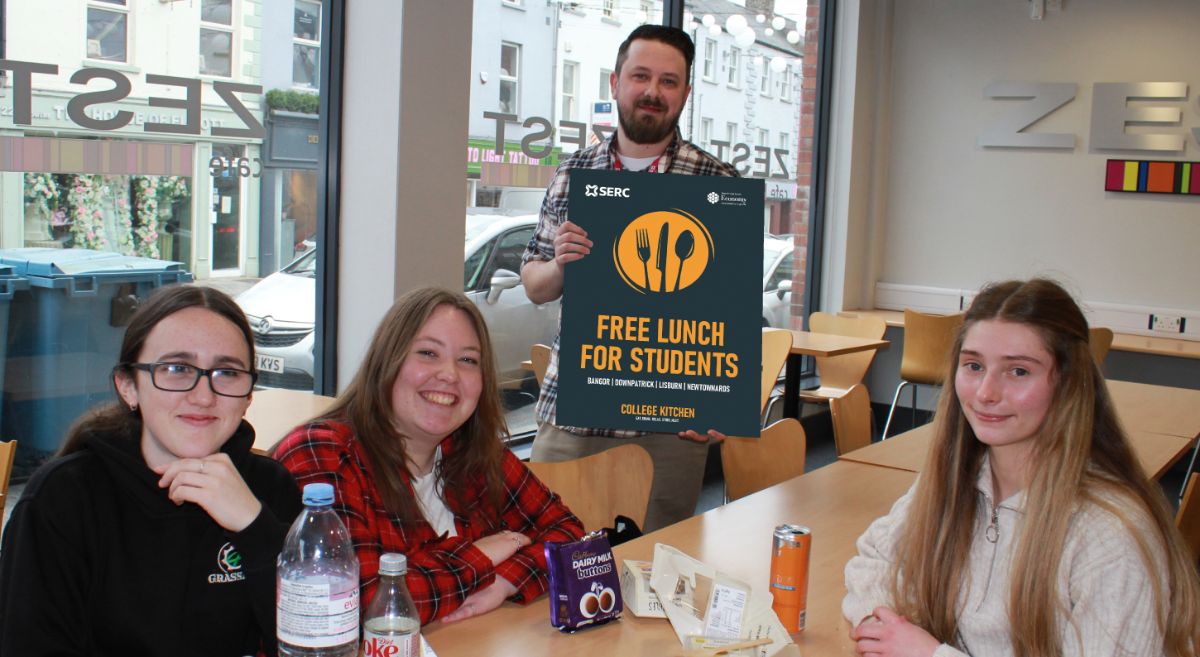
x=648 y=128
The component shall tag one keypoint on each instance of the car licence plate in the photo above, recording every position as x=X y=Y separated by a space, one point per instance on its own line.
x=272 y=364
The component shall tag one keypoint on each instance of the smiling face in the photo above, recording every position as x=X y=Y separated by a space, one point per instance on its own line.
x=1005 y=382
x=196 y=423
x=650 y=90
x=439 y=383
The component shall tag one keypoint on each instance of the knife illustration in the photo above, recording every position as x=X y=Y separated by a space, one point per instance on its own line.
x=660 y=260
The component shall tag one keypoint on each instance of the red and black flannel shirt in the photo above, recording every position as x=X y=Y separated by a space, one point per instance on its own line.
x=442 y=570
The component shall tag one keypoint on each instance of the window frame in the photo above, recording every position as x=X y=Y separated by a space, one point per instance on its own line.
x=733 y=76
x=571 y=94
x=605 y=94
x=764 y=77
x=513 y=78
x=120 y=7
x=608 y=9
x=706 y=132
x=708 y=68
x=230 y=29
x=308 y=43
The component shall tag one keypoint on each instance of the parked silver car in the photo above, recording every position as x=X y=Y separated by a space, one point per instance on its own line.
x=777 y=281
x=280 y=307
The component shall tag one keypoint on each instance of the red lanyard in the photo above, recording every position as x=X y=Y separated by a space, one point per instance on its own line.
x=653 y=168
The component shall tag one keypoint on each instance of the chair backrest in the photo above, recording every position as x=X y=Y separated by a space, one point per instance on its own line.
x=539 y=355
x=776 y=343
x=1188 y=517
x=841 y=372
x=598 y=487
x=851 y=419
x=1099 y=340
x=752 y=464
x=8 y=450
x=927 y=343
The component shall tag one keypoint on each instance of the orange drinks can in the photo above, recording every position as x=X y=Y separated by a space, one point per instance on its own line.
x=789 y=575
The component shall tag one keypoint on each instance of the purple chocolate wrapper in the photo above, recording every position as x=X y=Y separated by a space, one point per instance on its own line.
x=585 y=588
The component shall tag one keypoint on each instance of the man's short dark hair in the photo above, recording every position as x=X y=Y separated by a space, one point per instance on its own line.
x=672 y=36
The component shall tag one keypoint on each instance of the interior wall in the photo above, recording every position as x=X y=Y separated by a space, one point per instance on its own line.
x=401 y=215
x=958 y=215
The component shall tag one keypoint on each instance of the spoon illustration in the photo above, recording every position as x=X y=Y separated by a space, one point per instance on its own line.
x=685 y=246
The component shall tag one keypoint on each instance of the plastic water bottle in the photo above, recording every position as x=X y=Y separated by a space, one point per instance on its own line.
x=392 y=626
x=317 y=583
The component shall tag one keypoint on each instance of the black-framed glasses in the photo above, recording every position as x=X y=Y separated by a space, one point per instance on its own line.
x=182 y=377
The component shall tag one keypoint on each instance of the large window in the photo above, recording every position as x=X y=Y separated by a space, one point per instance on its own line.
x=563 y=62
x=108 y=30
x=216 y=38
x=306 y=49
x=227 y=202
x=510 y=68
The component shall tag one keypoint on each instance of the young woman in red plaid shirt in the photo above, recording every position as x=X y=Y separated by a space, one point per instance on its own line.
x=414 y=449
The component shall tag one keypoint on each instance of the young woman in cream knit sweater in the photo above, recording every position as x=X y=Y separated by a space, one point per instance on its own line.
x=1032 y=530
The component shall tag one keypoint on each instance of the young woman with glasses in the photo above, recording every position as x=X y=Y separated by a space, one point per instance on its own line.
x=155 y=530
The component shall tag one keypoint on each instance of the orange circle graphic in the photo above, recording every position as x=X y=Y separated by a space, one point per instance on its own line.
x=663 y=252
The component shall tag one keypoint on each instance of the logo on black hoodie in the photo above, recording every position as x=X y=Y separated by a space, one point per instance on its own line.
x=229 y=562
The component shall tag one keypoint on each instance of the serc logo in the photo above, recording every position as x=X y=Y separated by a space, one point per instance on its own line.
x=597 y=190
x=663 y=251
x=713 y=197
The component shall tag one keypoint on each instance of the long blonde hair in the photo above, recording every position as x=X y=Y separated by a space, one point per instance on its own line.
x=366 y=405
x=1081 y=456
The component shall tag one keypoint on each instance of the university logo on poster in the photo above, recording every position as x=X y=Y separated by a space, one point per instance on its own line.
x=662 y=322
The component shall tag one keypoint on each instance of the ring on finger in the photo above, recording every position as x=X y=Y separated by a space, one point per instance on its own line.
x=201 y=467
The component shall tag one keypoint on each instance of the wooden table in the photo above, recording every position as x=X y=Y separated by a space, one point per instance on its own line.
x=807 y=343
x=837 y=502
x=274 y=412
x=1157 y=452
x=1161 y=409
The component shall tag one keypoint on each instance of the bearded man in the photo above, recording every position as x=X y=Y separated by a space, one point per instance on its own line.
x=650 y=86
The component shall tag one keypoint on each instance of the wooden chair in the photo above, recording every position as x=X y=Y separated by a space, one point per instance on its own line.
x=539 y=356
x=598 y=487
x=752 y=464
x=274 y=412
x=840 y=373
x=1188 y=517
x=8 y=450
x=1099 y=340
x=851 y=414
x=776 y=344
x=927 y=343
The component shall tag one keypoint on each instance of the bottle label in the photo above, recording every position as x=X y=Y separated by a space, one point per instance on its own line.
x=311 y=615
x=391 y=645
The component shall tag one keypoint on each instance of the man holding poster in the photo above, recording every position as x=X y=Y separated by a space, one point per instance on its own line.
x=650 y=86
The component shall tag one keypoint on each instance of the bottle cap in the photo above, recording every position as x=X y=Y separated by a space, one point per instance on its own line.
x=318 y=494
x=393 y=563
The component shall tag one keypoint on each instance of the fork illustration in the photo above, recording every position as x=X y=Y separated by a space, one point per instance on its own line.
x=643 y=252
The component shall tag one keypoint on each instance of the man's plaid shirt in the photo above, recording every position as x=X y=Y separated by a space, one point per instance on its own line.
x=681 y=157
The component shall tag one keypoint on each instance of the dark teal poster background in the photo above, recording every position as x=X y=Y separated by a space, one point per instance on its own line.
x=662 y=322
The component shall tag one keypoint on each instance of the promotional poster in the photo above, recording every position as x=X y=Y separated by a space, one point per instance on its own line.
x=662 y=322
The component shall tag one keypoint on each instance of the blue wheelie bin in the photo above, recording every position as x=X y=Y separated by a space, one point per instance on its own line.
x=65 y=331
x=9 y=285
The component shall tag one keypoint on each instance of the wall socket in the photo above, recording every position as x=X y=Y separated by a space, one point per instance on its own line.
x=1166 y=323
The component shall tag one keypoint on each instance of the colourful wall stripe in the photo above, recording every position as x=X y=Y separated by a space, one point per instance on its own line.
x=1152 y=177
x=114 y=157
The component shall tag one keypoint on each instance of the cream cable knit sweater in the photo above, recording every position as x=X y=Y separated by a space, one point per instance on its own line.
x=1102 y=582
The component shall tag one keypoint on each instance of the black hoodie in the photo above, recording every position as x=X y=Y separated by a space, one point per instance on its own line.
x=97 y=560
